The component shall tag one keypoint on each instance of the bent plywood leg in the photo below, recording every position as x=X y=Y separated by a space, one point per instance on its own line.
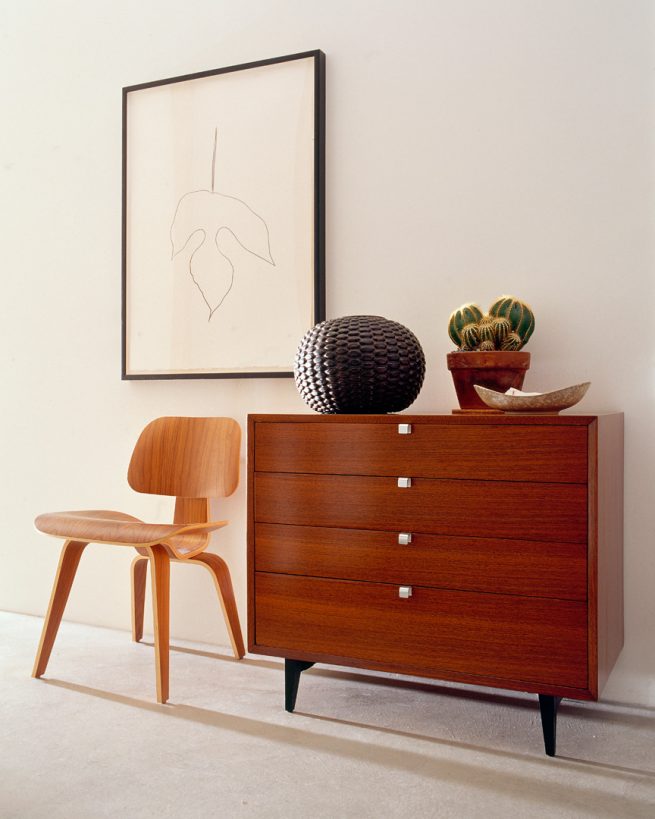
x=68 y=563
x=161 y=579
x=139 y=571
x=223 y=582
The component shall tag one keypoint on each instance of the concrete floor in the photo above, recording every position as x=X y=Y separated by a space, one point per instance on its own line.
x=89 y=741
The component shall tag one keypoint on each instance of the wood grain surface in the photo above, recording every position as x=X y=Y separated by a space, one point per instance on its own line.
x=516 y=557
x=187 y=458
x=193 y=459
x=504 y=636
x=539 y=453
x=69 y=560
x=119 y=529
x=530 y=511
x=606 y=546
x=525 y=567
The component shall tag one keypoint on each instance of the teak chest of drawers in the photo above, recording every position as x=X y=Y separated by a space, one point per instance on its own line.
x=484 y=549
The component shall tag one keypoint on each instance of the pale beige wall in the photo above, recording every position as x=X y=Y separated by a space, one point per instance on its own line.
x=473 y=147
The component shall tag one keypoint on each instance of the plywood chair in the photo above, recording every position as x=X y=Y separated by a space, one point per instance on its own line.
x=192 y=459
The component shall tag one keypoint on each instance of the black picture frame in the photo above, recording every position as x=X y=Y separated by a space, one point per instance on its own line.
x=298 y=78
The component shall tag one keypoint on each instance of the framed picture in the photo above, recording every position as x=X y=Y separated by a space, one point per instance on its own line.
x=223 y=267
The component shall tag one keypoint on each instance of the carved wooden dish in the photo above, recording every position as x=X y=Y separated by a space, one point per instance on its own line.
x=546 y=402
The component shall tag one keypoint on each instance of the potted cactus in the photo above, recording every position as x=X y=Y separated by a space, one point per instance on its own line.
x=489 y=348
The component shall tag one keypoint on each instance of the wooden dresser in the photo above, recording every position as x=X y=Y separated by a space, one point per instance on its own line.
x=485 y=549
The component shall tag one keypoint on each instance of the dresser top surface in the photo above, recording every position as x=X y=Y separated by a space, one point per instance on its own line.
x=521 y=419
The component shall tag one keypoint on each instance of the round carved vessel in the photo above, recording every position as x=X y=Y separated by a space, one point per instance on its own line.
x=359 y=364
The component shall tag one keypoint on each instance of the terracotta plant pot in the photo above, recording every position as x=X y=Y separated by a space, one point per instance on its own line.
x=498 y=370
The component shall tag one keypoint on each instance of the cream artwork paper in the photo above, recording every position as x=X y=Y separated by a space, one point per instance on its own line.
x=220 y=259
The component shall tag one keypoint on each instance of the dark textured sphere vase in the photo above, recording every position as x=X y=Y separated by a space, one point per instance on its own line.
x=359 y=364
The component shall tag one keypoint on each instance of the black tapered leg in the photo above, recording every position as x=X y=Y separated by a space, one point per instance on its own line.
x=292 y=671
x=548 y=706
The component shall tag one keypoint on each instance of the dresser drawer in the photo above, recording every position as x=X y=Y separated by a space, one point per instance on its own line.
x=524 y=567
x=490 y=635
x=482 y=452
x=493 y=509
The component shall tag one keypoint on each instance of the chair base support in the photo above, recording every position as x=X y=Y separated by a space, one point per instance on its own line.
x=159 y=559
x=220 y=574
x=69 y=560
x=160 y=565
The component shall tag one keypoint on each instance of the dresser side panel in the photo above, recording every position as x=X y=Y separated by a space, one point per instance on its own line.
x=250 y=524
x=610 y=544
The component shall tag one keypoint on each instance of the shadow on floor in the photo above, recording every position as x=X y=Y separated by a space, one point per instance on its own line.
x=423 y=762
x=633 y=715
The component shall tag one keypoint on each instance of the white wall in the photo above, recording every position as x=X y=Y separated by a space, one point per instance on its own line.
x=474 y=147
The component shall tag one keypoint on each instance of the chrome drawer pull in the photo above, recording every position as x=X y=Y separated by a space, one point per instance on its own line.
x=404 y=483
x=404 y=538
x=404 y=592
x=404 y=429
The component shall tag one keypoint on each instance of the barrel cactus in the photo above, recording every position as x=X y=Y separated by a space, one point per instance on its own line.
x=512 y=341
x=463 y=326
x=502 y=328
x=487 y=332
x=507 y=326
x=519 y=315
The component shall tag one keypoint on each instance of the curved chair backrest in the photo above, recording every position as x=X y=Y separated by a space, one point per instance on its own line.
x=187 y=458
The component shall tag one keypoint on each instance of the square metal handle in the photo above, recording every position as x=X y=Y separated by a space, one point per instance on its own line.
x=404 y=429
x=404 y=483
x=404 y=538
x=404 y=592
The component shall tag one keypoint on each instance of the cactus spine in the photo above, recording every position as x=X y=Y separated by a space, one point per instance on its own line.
x=507 y=326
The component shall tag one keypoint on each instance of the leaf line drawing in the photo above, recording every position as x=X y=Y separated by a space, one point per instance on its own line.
x=205 y=213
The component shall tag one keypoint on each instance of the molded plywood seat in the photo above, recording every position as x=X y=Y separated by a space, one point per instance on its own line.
x=124 y=530
x=193 y=459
